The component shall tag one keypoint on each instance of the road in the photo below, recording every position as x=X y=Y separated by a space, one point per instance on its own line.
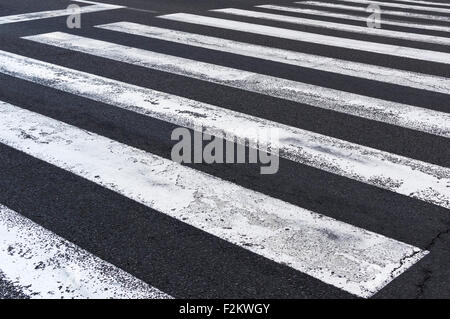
x=93 y=204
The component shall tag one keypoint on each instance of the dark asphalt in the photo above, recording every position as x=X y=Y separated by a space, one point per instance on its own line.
x=9 y=291
x=179 y=259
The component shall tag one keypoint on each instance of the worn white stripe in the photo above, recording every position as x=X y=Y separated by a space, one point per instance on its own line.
x=440 y=4
x=399 y=174
x=398 y=13
x=329 y=14
x=349 y=103
x=55 y=13
x=374 y=47
x=399 y=5
x=128 y=8
x=338 y=26
x=356 y=69
x=89 y=2
x=353 y=259
x=44 y=265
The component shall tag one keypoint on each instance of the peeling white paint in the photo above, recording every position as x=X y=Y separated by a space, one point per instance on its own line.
x=413 y=178
x=373 y=47
x=400 y=5
x=356 y=69
x=44 y=265
x=91 y=2
x=338 y=26
x=440 y=4
x=55 y=13
x=404 y=115
x=353 y=259
x=330 y=14
x=399 y=13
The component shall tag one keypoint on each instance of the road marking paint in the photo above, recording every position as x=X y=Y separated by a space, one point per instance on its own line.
x=353 y=259
x=91 y=2
x=413 y=178
x=55 y=13
x=43 y=265
x=128 y=8
x=329 y=14
x=356 y=69
x=338 y=26
x=440 y=4
x=399 y=13
x=399 y=5
x=374 y=47
x=359 y=105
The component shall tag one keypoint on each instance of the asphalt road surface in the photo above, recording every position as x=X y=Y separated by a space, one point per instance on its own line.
x=354 y=101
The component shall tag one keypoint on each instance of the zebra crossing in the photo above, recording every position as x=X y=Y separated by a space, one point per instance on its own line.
x=328 y=247
x=439 y=57
x=398 y=13
x=62 y=269
x=330 y=14
x=94 y=7
x=399 y=5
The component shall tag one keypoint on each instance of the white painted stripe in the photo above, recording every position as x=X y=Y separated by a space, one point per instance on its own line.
x=399 y=13
x=399 y=174
x=44 y=265
x=353 y=259
x=440 y=4
x=89 y=2
x=128 y=8
x=359 y=105
x=399 y=5
x=338 y=26
x=324 y=13
x=384 y=22
x=356 y=69
x=55 y=13
x=374 y=47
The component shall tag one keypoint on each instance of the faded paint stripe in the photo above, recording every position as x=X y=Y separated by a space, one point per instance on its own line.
x=359 y=105
x=373 y=47
x=399 y=174
x=54 y=13
x=398 y=13
x=439 y=4
x=329 y=14
x=43 y=265
x=338 y=26
x=358 y=261
x=399 y=5
x=356 y=69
